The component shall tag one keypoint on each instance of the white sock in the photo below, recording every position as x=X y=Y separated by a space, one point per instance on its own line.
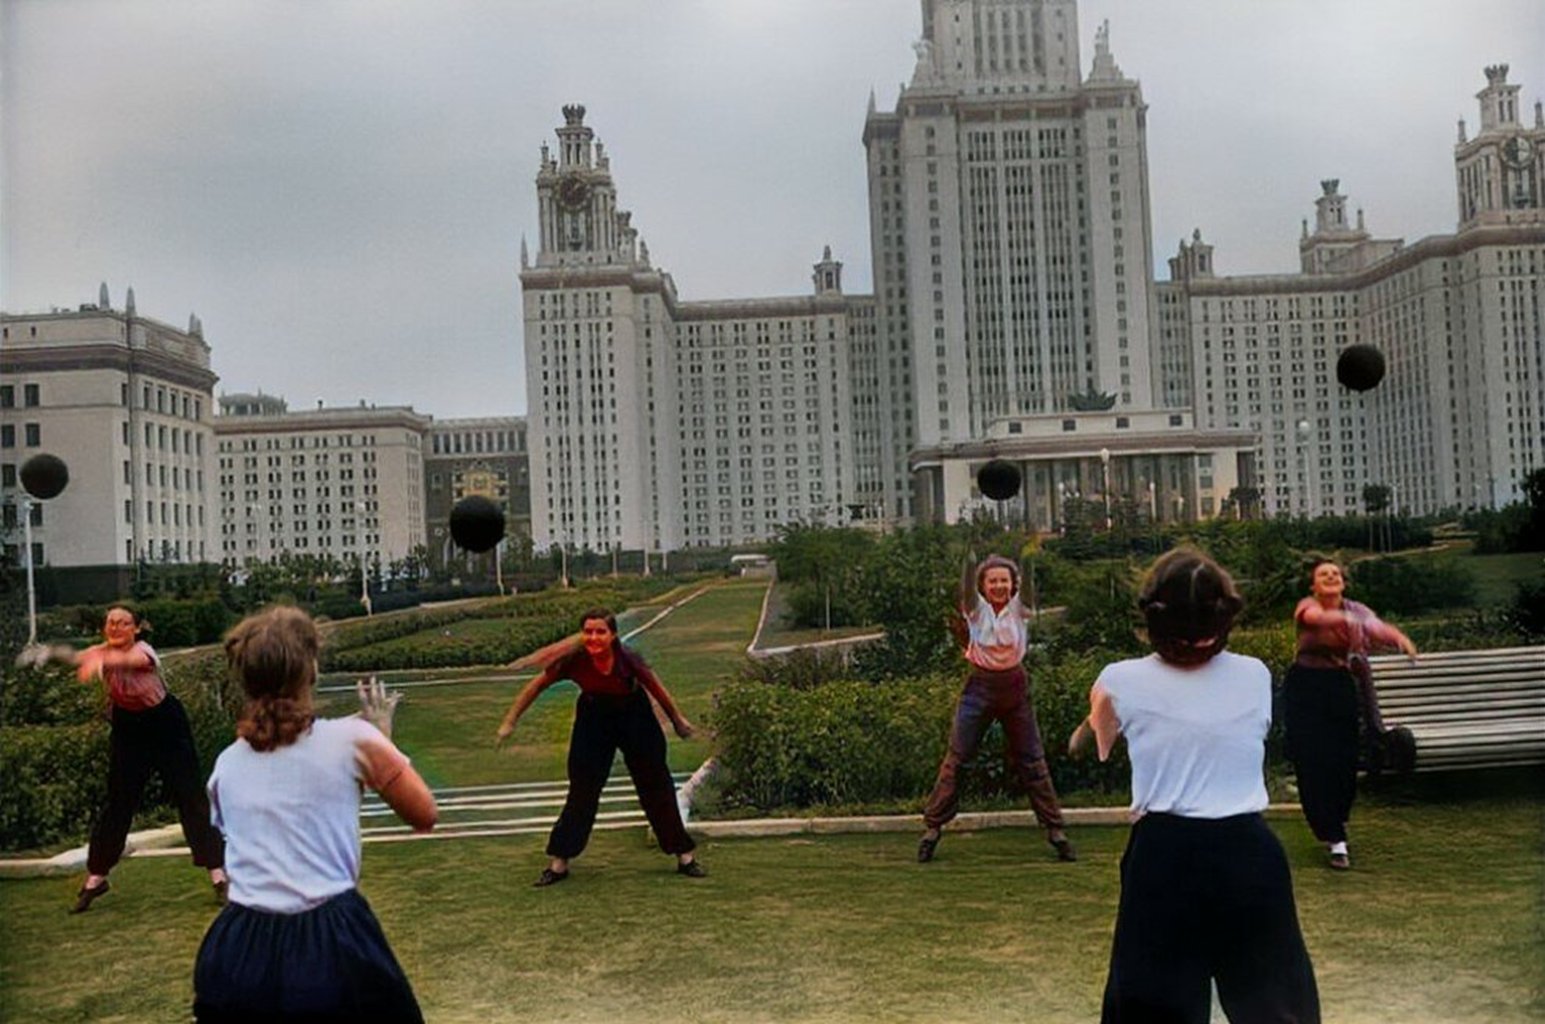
x=1340 y=848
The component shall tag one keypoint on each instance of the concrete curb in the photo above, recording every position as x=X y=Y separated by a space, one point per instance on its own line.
x=163 y=842
x=72 y=862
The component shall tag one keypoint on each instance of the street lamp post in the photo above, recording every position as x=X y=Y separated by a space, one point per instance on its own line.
x=32 y=599
x=499 y=565
x=1105 y=483
x=364 y=570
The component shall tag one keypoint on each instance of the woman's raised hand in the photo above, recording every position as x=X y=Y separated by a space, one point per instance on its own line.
x=684 y=729
x=376 y=705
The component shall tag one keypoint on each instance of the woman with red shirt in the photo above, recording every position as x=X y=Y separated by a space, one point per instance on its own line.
x=150 y=732
x=613 y=713
x=1321 y=698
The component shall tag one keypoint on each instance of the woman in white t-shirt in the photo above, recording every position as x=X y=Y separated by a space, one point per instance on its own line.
x=297 y=940
x=1205 y=890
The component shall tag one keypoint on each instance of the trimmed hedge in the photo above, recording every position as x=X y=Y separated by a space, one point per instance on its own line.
x=54 y=747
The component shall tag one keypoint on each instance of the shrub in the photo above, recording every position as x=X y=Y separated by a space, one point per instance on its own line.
x=54 y=747
x=851 y=742
x=54 y=780
x=1405 y=586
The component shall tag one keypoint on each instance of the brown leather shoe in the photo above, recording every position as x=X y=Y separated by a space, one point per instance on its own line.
x=85 y=896
x=1065 y=850
x=926 y=847
x=1340 y=861
x=692 y=869
x=549 y=877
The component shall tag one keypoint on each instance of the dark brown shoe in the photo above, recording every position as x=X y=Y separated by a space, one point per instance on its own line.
x=85 y=896
x=1064 y=848
x=692 y=869
x=1340 y=862
x=926 y=847
x=549 y=877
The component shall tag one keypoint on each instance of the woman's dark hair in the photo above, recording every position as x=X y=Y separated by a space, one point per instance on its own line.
x=141 y=624
x=1190 y=603
x=274 y=655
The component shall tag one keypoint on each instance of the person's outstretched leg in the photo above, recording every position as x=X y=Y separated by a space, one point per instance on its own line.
x=643 y=751
x=972 y=716
x=592 y=745
x=1027 y=767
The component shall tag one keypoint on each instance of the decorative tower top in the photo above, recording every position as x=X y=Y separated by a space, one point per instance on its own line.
x=1105 y=69
x=577 y=140
x=104 y=301
x=128 y=302
x=1499 y=101
x=828 y=274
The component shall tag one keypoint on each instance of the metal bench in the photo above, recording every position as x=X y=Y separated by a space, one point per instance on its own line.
x=1467 y=709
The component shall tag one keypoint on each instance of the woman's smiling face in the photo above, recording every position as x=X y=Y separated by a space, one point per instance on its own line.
x=119 y=629
x=597 y=636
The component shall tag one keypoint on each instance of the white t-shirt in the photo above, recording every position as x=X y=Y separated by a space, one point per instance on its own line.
x=291 y=815
x=1196 y=736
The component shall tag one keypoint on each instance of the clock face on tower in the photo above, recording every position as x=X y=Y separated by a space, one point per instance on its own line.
x=1517 y=151
x=573 y=191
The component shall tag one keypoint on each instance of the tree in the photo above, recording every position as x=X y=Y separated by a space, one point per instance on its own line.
x=1376 y=498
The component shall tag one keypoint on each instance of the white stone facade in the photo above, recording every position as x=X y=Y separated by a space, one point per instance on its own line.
x=1459 y=419
x=127 y=403
x=1009 y=217
x=656 y=423
x=345 y=482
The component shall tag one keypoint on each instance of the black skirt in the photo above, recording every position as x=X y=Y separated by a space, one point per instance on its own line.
x=329 y=963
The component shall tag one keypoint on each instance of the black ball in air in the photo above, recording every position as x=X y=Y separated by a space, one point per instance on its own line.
x=998 y=480
x=44 y=476
x=1360 y=367
x=477 y=524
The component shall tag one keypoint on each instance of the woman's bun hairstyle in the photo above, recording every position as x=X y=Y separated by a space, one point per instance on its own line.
x=1189 y=603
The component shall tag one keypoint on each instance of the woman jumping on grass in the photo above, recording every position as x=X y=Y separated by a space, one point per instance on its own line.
x=1326 y=687
x=150 y=733
x=613 y=713
x=991 y=626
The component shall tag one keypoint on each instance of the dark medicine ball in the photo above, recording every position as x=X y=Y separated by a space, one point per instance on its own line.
x=1360 y=367
x=477 y=524
x=44 y=476
x=998 y=480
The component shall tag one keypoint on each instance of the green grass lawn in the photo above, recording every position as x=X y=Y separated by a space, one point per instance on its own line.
x=1441 y=920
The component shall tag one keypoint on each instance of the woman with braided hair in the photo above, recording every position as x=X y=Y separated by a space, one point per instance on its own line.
x=297 y=941
x=991 y=629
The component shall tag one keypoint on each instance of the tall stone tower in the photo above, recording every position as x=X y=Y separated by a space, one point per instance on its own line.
x=1010 y=222
x=597 y=339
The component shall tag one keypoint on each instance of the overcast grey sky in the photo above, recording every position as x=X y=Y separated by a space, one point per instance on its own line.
x=339 y=189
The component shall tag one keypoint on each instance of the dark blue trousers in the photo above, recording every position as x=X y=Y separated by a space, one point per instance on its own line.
x=1204 y=900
